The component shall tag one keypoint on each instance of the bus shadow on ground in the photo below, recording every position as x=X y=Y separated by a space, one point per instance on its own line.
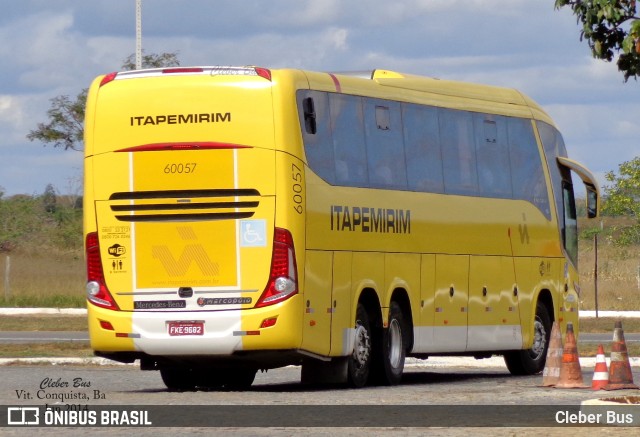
x=412 y=378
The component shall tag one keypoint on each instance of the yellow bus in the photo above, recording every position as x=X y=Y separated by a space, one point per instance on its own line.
x=241 y=219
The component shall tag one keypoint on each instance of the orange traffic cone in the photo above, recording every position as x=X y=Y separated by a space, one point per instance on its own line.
x=600 y=373
x=620 y=376
x=551 y=373
x=570 y=371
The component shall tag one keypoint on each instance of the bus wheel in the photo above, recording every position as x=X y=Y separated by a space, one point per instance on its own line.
x=393 y=347
x=360 y=360
x=532 y=361
x=209 y=379
x=239 y=379
x=179 y=378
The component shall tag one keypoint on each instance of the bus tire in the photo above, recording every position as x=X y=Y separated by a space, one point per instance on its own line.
x=179 y=378
x=393 y=347
x=239 y=379
x=359 y=364
x=209 y=379
x=532 y=361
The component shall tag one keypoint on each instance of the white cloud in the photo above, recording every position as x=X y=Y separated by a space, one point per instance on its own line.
x=57 y=47
x=338 y=38
x=8 y=113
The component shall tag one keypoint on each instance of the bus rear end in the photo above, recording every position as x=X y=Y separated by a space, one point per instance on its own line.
x=187 y=269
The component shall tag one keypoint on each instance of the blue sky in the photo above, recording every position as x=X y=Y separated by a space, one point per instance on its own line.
x=56 y=47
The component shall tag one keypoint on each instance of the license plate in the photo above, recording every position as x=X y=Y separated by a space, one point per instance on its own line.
x=185 y=328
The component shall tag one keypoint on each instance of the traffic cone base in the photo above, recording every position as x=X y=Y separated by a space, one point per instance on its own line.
x=600 y=373
x=570 y=371
x=620 y=376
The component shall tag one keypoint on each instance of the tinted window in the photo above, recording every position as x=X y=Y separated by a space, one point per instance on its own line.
x=366 y=142
x=347 y=122
x=570 y=222
x=422 y=148
x=527 y=177
x=458 y=152
x=316 y=132
x=385 y=149
x=553 y=147
x=492 y=153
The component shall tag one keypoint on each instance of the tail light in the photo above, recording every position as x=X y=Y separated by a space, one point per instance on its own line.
x=283 y=281
x=97 y=291
x=108 y=78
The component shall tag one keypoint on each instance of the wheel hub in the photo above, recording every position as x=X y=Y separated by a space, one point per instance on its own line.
x=395 y=343
x=362 y=347
x=539 y=339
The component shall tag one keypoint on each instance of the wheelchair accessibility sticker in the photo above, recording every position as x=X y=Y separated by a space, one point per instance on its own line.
x=253 y=233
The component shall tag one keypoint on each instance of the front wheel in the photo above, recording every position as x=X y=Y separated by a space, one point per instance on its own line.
x=532 y=361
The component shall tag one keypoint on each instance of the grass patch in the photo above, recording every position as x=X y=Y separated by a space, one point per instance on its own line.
x=44 y=322
x=52 y=280
x=606 y=324
x=43 y=301
x=591 y=349
x=49 y=350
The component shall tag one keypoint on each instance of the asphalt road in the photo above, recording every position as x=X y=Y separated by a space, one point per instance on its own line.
x=457 y=399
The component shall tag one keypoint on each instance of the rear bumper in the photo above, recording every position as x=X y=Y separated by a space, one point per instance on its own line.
x=225 y=332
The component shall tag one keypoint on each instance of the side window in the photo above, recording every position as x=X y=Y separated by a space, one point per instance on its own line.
x=570 y=221
x=527 y=176
x=313 y=107
x=458 y=152
x=347 y=123
x=492 y=152
x=553 y=147
x=422 y=148
x=385 y=151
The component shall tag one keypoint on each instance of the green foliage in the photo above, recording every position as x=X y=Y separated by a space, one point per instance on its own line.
x=49 y=200
x=622 y=198
x=65 y=128
x=39 y=222
x=589 y=233
x=623 y=193
x=44 y=301
x=610 y=27
x=153 y=60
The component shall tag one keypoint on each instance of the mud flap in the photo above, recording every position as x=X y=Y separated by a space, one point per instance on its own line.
x=325 y=372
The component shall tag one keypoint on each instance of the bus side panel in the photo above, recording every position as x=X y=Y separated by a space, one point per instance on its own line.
x=423 y=330
x=570 y=302
x=402 y=272
x=494 y=318
x=367 y=272
x=316 y=328
x=343 y=316
x=527 y=293
x=451 y=301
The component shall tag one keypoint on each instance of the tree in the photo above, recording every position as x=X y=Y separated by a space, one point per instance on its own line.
x=610 y=27
x=66 y=116
x=152 y=61
x=65 y=126
x=49 y=199
x=623 y=199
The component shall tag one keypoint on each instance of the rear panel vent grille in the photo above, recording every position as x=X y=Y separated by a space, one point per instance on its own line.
x=184 y=205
